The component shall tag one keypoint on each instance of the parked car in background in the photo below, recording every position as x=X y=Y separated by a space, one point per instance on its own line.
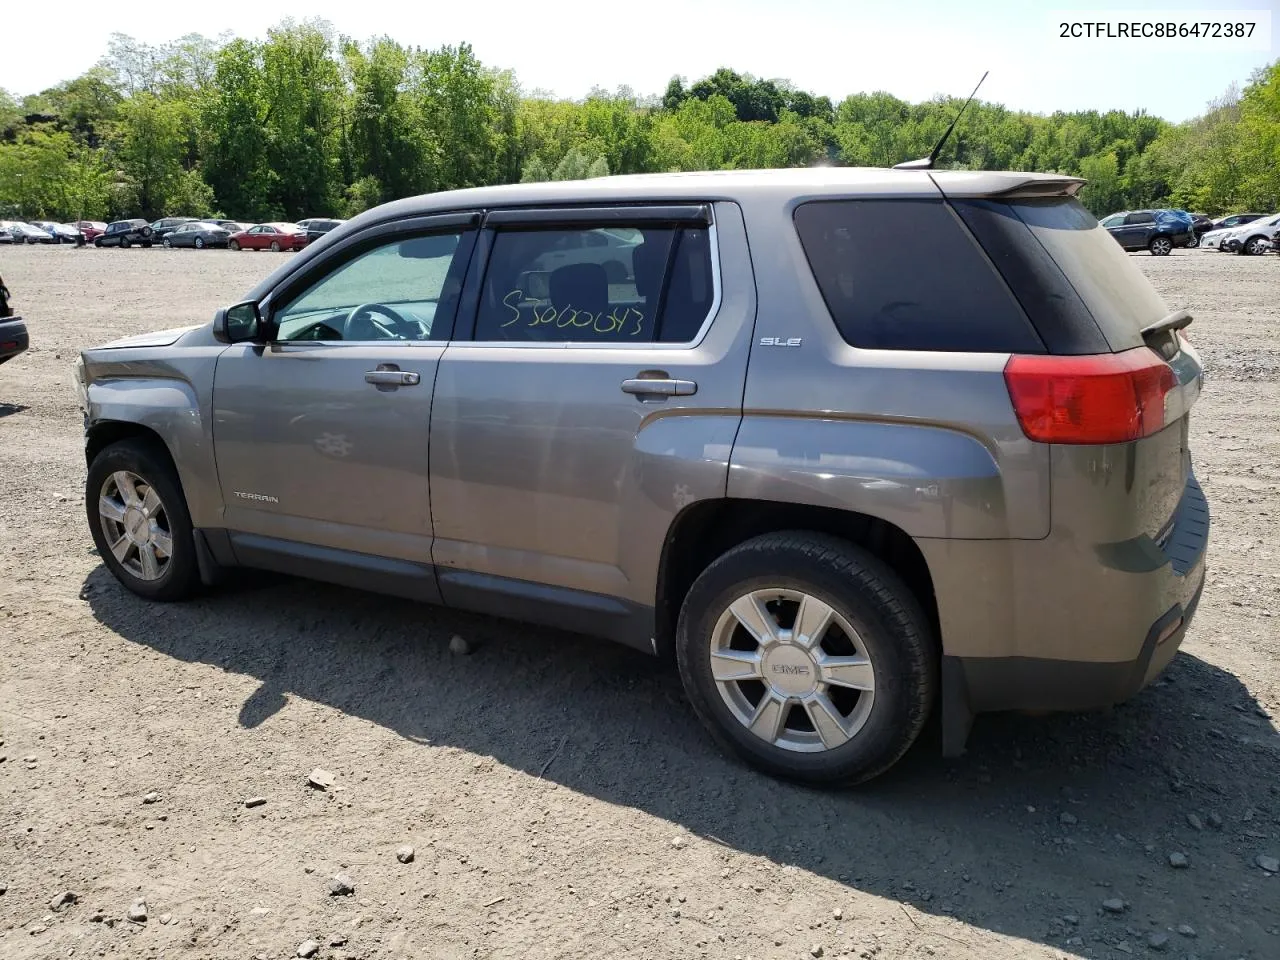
x=756 y=454
x=269 y=236
x=231 y=226
x=1200 y=225
x=125 y=234
x=1236 y=220
x=6 y=233
x=91 y=229
x=23 y=232
x=162 y=228
x=13 y=332
x=1156 y=230
x=1254 y=238
x=198 y=235
x=317 y=227
x=61 y=232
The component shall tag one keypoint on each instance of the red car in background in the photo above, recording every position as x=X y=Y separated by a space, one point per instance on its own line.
x=269 y=236
x=90 y=229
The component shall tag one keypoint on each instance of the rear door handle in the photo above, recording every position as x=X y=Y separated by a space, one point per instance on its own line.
x=659 y=387
x=392 y=378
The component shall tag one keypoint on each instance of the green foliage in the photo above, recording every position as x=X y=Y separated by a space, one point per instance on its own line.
x=306 y=123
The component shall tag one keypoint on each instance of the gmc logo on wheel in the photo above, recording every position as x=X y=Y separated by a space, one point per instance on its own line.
x=796 y=670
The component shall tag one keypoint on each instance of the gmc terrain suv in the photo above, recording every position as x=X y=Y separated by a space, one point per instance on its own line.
x=835 y=483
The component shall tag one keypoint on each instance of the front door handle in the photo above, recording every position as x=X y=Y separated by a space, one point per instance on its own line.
x=659 y=387
x=384 y=376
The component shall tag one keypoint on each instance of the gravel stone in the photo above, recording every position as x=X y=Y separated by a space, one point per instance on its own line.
x=815 y=950
x=459 y=646
x=405 y=854
x=1269 y=864
x=1194 y=821
x=1158 y=941
x=255 y=802
x=308 y=948
x=138 y=912
x=1114 y=905
x=320 y=779
x=1178 y=861
x=151 y=797
x=341 y=886
x=1068 y=819
x=1187 y=930
x=1214 y=820
x=64 y=899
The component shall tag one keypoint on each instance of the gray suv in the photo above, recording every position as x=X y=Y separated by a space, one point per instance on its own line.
x=736 y=420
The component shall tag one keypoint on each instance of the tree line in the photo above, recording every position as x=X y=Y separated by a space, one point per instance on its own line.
x=307 y=123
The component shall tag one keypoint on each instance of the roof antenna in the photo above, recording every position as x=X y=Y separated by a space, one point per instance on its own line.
x=926 y=163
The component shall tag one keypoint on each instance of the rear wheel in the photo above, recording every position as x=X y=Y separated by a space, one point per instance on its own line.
x=1160 y=246
x=1193 y=242
x=139 y=521
x=807 y=657
x=168 y=244
x=199 y=243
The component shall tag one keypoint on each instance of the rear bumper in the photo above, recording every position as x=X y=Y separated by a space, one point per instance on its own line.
x=1024 y=629
x=13 y=338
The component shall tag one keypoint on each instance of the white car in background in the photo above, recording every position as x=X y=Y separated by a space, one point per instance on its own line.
x=1252 y=238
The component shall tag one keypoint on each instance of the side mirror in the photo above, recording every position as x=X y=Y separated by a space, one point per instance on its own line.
x=238 y=323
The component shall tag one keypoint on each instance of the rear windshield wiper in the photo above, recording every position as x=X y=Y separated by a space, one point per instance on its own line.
x=1159 y=335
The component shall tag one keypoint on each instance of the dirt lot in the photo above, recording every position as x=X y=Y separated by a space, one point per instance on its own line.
x=560 y=798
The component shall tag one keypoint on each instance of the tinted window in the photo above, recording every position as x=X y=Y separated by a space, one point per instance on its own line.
x=1117 y=295
x=1113 y=221
x=1140 y=218
x=603 y=285
x=906 y=275
x=394 y=291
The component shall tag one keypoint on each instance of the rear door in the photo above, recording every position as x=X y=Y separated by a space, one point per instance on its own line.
x=593 y=393
x=321 y=435
x=1138 y=230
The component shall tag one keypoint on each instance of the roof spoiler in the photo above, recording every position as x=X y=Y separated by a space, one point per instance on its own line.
x=991 y=185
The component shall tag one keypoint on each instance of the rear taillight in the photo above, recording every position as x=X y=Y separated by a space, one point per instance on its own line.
x=1107 y=398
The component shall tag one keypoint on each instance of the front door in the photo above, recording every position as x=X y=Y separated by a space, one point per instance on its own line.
x=321 y=434
x=597 y=397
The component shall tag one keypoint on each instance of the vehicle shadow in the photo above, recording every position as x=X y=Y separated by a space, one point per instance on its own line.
x=9 y=409
x=1042 y=819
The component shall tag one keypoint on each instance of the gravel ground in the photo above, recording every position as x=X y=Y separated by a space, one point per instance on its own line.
x=558 y=795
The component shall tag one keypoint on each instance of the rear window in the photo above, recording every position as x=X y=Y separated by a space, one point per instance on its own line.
x=1114 y=292
x=906 y=275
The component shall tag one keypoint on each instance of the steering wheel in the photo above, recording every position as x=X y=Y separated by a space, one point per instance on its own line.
x=362 y=324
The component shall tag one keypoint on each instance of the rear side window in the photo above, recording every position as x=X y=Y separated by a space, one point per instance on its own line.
x=906 y=275
x=617 y=284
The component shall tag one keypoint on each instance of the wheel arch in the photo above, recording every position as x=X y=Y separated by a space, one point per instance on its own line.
x=706 y=529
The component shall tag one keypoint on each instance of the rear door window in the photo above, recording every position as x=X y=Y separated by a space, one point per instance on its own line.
x=616 y=284
x=907 y=275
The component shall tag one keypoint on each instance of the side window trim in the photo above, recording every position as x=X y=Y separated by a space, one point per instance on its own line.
x=343 y=252
x=686 y=215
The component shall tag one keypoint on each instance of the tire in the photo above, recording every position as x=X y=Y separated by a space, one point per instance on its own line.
x=891 y=631
x=98 y=243
x=233 y=245
x=1160 y=246
x=199 y=243
x=275 y=246
x=1254 y=246
x=146 y=460
x=1193 y=242
x=167 y=243
x=125 y=243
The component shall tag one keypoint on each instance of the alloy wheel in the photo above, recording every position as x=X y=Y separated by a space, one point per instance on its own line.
x=792 y=670
x=136 y=525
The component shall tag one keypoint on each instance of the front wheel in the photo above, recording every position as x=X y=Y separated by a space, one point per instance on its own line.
x=1160 y=246
x=168 y=244
x=233 y=245
x=808 y=657
x=1256 y=246
x=139 y=521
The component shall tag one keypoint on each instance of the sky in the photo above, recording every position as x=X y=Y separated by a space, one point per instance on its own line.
x=914 y=49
